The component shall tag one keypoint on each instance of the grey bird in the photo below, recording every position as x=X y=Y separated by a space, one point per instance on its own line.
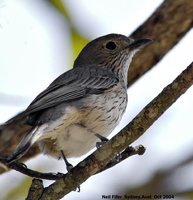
x=84 y=102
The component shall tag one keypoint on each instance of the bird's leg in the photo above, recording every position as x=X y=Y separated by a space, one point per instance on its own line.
x=69 y=166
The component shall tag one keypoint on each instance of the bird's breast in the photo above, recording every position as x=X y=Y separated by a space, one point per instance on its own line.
x=104 y=111
x=74 y=131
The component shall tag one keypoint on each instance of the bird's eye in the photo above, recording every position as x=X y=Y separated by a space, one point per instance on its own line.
x=111 y=45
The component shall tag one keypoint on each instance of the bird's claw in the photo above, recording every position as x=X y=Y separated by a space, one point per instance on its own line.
x=102 y=142
x=118 y=157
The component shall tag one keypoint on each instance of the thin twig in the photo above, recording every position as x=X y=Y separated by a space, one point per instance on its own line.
x=128 y=152
x=22 y=168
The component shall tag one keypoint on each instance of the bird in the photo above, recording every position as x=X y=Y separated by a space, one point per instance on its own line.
x=82 y=104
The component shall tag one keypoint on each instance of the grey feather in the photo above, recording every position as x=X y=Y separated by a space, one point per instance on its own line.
x=72 y=85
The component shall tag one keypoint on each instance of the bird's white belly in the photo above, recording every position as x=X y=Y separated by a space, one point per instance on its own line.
x=76 y=141
x=74 y=132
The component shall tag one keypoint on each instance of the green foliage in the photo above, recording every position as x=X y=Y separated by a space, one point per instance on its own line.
x=20 y=191
x=60 y=6
x=78 y=40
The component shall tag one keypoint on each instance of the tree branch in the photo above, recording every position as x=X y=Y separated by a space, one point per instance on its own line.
x=99 y=159
x=35 y=190
x=166 y=27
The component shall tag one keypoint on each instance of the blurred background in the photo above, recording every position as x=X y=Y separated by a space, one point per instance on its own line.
x=39 y=39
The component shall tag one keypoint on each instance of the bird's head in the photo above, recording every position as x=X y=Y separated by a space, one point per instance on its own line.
x=114 y=51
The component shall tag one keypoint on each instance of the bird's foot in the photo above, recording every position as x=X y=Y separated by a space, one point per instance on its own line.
x=102 y=142
x=69 y=167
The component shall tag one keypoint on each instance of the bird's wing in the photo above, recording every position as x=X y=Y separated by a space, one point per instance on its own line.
x=73 y=85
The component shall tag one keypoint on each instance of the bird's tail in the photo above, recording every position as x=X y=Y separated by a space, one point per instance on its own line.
x=24 y=145
x=11 y=133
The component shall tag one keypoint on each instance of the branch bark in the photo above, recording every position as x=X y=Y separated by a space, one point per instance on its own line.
x=35 y=190
x=99 y=159
x=166 y=26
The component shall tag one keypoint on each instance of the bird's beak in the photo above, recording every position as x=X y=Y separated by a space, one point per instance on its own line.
x=136 y=44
